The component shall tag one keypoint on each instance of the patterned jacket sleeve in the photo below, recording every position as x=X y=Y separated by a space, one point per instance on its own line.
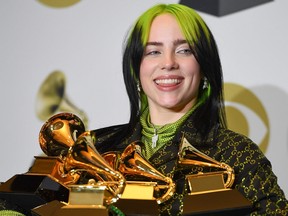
x=257 y=182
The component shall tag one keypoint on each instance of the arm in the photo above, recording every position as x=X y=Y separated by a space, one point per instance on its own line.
x=259 y=185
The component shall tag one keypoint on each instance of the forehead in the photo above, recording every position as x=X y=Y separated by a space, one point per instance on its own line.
x=165 y=26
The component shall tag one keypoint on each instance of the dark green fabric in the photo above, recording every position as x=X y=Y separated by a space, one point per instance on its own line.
x=254 y=176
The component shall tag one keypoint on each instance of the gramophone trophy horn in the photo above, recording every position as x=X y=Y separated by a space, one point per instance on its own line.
x=51 y=98
x=145 y=187
x=135 y=167
x=57 y=135
x=84 y=156
x=189 y=156
x=214 y=186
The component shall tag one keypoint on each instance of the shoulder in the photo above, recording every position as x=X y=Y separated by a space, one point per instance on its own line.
x=235 y=139
x=106 y=131
x=240 y=151
x=109 y=138
x=236 y=149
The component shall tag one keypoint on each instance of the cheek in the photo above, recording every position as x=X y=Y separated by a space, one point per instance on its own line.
x=146 y=81
x=195 y=77
x=144 y=66
x=197 y=80
x=193 y=69
x=145 y=70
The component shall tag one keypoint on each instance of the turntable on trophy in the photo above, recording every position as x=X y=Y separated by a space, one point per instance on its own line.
x=209 y=192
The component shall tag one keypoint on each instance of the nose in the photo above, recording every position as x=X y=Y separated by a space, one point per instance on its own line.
x=169 y=62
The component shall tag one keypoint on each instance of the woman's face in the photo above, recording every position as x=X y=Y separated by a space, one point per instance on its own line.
x=169 y=73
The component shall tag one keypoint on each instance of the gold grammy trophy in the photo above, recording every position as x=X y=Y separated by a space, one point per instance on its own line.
x=70 y=152
x=210 y=192
x=47 y=179
x=145 y=186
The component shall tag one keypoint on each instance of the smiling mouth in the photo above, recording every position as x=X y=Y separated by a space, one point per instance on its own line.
x=167 y=81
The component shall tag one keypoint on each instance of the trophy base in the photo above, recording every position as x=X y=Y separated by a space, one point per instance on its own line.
x=134 y=207
x=137 y=199
x=139 y=190
x=29 y=190
x=205 y=182
x=83 y=200
x=61 y=209
x=86 y=195
x=216 y=203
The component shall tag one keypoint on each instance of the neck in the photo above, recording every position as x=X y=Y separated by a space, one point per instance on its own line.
x=163 y=116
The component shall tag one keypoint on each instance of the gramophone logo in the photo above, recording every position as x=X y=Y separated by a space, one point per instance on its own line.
x=52 y=98
x=246 y=114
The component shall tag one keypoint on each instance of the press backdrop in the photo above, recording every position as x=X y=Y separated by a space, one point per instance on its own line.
x=82 y=40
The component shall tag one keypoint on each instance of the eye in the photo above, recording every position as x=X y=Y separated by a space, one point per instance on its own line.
x=185 y=51
x=153 y=52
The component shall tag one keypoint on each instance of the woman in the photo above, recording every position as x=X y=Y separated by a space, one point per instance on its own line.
x=173 y=78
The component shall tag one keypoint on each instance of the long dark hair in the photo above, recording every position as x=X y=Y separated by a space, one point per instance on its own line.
x=211 y=110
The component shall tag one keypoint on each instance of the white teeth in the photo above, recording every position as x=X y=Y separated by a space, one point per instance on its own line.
x=167 y=81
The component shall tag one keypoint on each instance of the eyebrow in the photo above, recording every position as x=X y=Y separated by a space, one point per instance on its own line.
x=176 y=42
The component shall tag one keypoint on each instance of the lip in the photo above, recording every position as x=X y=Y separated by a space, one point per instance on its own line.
x=168 y=82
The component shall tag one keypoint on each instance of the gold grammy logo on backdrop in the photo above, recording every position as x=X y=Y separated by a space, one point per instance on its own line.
x=52 y=98
x=59 y=3
x=243 y=105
